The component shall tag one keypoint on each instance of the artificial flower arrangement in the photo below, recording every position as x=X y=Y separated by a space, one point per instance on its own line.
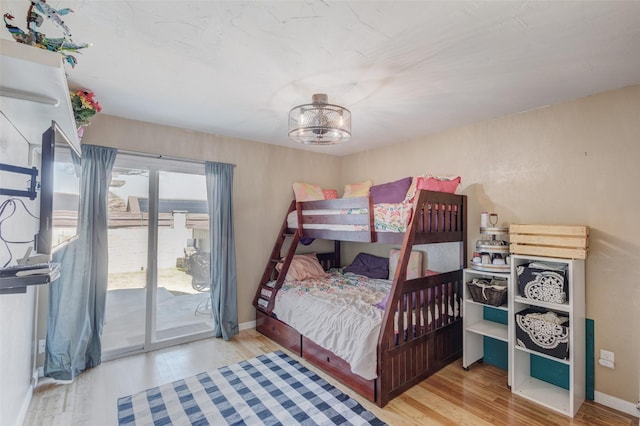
x=84 y=106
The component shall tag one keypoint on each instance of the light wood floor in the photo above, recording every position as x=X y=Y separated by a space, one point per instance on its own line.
x=450 y=397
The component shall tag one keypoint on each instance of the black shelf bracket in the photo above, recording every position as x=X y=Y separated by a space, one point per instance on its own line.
x=31 y=192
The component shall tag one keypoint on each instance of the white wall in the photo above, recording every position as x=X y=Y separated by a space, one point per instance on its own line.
x=128 y=248
x=17 y=311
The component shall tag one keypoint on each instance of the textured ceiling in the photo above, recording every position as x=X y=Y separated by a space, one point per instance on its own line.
x=405 y=69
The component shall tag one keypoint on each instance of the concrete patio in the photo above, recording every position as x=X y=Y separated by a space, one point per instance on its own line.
x=180 y=310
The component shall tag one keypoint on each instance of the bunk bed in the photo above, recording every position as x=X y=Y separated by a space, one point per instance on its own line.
x=414 y=340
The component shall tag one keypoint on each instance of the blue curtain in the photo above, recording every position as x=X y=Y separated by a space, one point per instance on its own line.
x=77 y=299
x=224 y=293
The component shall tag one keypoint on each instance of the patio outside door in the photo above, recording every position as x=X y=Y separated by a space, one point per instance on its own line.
x=157 y=293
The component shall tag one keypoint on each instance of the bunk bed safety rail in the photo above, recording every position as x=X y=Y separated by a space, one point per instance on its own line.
x=361 y=215
x=439 y=217
x=425 y=304
x=424 y=334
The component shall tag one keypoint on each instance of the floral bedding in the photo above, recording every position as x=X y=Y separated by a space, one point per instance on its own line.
x=344 y=305
x=391 y=217
x=341 y=313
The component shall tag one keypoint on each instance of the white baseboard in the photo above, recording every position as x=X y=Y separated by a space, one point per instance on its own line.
x=616 y=403
x=247 y=325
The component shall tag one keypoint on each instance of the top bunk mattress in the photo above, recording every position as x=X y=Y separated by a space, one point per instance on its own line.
x=387 y=218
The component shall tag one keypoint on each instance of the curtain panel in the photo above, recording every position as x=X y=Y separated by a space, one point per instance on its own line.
x=223 y=289
x=77 y=299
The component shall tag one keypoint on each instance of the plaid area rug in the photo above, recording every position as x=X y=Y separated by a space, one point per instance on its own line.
x=272 y=389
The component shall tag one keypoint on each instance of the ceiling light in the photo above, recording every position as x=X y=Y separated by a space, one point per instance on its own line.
x=319 y=123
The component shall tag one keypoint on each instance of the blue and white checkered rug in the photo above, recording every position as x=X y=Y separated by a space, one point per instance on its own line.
x=272 y=389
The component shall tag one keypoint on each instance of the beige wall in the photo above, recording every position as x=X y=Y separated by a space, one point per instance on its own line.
x=574 y=163
x=262 y=183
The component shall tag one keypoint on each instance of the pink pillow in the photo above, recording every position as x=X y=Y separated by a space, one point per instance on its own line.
x=414 y=267
x=330 y=194
x=303 y=266
x=391 y=192
x=307 y=191
x=438 y=184
x=357 y=189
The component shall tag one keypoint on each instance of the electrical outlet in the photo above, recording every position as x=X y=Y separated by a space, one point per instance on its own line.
x=41 y=346
x=607 y=355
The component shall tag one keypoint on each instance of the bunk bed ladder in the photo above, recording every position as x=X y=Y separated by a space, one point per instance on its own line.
x=272 y=280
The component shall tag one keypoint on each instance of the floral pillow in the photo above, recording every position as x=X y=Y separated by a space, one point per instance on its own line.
x=307 y=191
x=303 y=266
x=357 y=189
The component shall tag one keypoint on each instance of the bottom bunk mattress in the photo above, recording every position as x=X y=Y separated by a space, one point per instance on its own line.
x=341 y=313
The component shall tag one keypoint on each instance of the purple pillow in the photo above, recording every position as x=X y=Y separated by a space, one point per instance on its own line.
x=370 y=266
x=392 y=192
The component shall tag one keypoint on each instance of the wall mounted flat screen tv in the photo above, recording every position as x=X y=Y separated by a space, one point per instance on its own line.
x=59 y=191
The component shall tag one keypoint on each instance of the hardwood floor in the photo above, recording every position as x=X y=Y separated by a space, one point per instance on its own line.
x=450 y=397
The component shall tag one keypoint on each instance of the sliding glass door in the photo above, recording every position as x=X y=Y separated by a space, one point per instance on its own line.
x=183 y=301
x=128 y=234
x=158 y=291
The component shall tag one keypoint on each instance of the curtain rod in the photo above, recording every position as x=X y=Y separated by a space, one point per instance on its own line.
x=167 y=157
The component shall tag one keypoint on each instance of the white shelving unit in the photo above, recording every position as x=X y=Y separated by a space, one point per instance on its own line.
x=565 y=401
x=475 y=327
x=34 y=91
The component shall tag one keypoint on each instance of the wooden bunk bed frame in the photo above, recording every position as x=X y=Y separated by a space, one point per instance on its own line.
x=403 y=359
